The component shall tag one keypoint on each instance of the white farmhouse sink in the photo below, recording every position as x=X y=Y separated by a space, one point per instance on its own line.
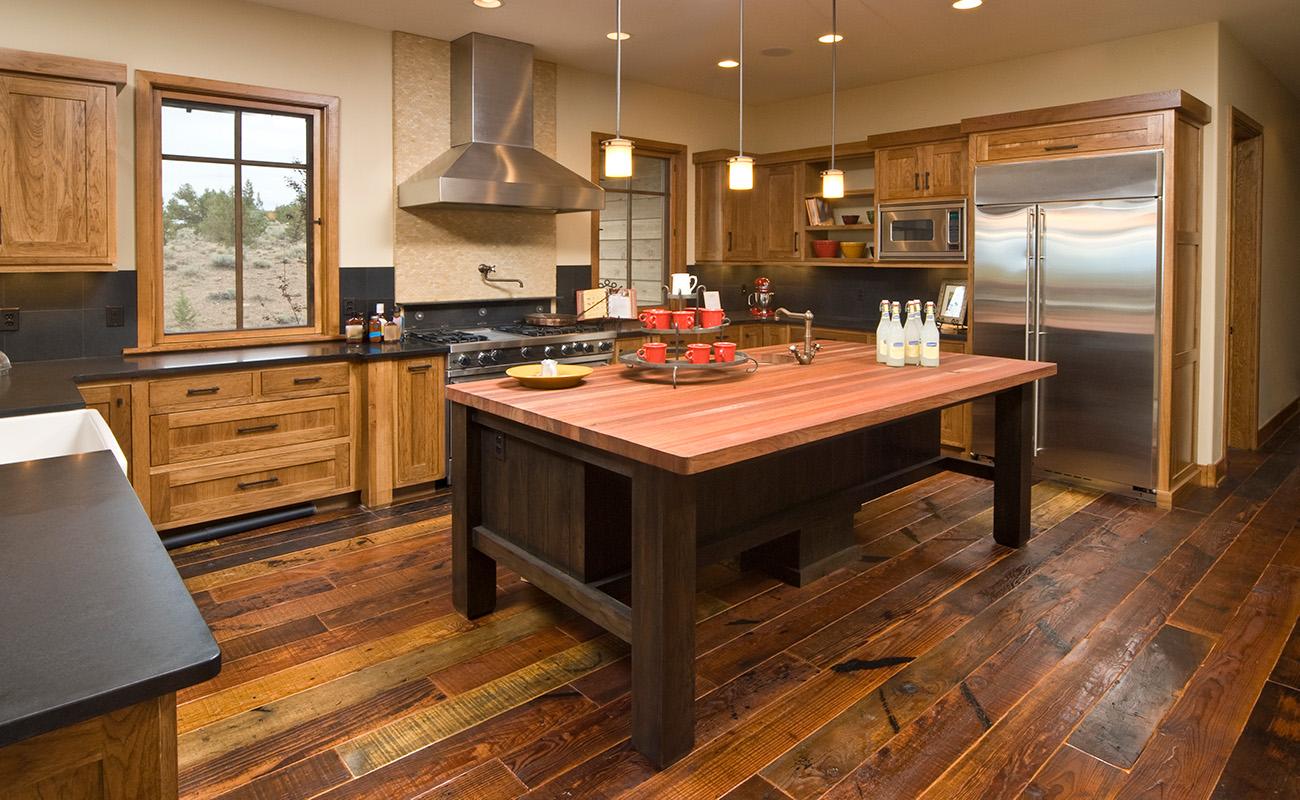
x=60 y=433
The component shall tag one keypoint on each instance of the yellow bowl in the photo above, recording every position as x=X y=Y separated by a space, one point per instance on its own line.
x=852 y=249
x=530 y=375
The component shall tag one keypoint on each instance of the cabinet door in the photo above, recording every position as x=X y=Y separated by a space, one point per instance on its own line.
x=748 y=336
x=778 y=334
x=898 y=173
x=945 y=169
x=953 y=421
x=419 y=449
x=741 y=212
x=56 y=174
x=779 y=229
x=710 y=235
x=113 y=404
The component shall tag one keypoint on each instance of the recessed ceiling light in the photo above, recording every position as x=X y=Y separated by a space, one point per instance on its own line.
x=488 y=3
x=965 y=5
x=828 y=38
x=615 y=36
x=728 y=63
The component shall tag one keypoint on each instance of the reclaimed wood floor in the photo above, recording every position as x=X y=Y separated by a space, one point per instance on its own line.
x=1125 y=652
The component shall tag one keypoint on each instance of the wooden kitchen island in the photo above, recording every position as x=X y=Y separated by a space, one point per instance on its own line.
x=607 y=496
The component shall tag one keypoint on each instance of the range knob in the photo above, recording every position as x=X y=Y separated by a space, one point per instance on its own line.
x=566 y=349
x=484 y=358
x=526 y=352
x=605 y=347
x=583 y=347
x=550 y=351
x=462 y=360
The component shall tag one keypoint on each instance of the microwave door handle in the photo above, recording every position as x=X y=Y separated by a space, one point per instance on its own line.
x=951 y=217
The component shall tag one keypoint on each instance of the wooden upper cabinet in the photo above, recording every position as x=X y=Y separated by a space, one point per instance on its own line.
x=710 y=236
x=1071 y=138
x=779 y=230
x=920 y=171
x=58 y=162
x=741 y=212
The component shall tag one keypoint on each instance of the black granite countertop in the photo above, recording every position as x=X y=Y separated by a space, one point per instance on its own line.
x=95 y=617
x=36 y=387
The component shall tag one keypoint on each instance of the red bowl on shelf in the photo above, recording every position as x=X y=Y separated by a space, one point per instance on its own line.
x=826 y=248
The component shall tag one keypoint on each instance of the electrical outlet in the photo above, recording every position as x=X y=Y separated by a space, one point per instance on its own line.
x=8 y=320
x=349 y=308
x=114 y=317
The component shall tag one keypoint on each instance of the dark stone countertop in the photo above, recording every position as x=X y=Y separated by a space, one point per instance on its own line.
x=95 y=617
x=35 y=387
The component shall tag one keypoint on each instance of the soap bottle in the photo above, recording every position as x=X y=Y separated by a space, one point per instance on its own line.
x=882 y=333
x=897 y=345
x=355 y=330
x=376 y=334
x=912 y=333
x=929 y=338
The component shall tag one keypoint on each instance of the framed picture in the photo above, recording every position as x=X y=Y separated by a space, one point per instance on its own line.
x=952 y=303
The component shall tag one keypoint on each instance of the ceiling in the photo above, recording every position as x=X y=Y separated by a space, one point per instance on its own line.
x=677 y=43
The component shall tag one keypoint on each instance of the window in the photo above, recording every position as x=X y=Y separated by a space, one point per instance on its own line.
x=637 y=238
x=239 y=246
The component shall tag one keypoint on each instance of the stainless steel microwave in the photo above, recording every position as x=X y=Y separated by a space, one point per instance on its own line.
x=923 y=231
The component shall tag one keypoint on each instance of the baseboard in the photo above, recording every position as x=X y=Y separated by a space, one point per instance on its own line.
x=1211 y=475
x=1268 y=429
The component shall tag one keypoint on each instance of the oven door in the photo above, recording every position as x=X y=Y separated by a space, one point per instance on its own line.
x=923 y=232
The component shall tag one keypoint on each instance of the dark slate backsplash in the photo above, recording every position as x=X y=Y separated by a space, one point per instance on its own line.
x=64 y=314
x=361 y=287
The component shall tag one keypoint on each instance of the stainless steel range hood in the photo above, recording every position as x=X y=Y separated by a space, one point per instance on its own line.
x=492 y=163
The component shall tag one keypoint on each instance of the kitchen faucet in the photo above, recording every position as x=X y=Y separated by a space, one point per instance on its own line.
x=487 y=269
x=810 y=347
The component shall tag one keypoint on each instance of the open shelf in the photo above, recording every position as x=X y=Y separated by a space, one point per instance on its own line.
x=859 y=227
x=848 y=193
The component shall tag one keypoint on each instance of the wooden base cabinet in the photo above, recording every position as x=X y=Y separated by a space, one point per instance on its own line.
x=113 y=402
x=405 y=427
x=128 y=754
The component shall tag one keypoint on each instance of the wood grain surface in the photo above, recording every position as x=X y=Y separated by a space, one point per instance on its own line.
x=702 y=425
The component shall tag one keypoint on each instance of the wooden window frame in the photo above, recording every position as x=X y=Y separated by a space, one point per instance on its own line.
x=151 y=88
x=676 y=155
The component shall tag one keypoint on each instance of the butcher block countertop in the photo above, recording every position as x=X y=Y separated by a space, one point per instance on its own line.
x=708 y=423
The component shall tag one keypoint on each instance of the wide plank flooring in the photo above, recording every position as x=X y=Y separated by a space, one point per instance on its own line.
x=1125 y=652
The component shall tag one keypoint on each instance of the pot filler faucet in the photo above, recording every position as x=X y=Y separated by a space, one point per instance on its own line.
x=810 y=347
x=487 y=270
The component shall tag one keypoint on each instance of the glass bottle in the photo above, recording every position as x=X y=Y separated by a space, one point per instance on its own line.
x=882 y=333
x=897 y=345
x=355 y=330
x=929 y=338
x=912 y=333
x=376 y=334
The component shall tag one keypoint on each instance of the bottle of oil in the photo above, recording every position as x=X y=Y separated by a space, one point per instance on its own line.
x=376 y=334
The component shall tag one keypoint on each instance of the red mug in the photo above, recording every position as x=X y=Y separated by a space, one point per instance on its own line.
x=698 y=353
x=654 y=318
x=724 y=351
x=712 y=317
x=684 y=320
x=656 y=352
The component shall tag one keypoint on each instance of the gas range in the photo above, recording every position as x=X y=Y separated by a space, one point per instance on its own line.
x=478 y=353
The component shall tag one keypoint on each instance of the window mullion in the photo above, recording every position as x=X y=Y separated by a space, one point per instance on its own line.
x=239 y=222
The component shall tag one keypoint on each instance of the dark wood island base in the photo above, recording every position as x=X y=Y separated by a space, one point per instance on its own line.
x=617 y=533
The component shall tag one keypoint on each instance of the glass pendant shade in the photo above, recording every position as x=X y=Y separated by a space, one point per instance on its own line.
x=618 y=158
x=832 y=183
x=740 y=172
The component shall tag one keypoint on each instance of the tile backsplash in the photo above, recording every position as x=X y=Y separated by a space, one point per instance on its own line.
x=65 y=314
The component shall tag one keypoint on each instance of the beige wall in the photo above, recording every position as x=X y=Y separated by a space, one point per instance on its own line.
x=236 y=41
x=585 y=103
x=1186 y=59
x=1246 y=85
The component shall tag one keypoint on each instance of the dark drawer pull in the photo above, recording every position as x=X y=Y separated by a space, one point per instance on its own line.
x=264 y=482
x=1052 y=148
x=420 y=368
x=304 y=381
x=204 y=390
x=270 y=426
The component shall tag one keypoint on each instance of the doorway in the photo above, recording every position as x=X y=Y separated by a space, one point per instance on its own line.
x=1245 y=226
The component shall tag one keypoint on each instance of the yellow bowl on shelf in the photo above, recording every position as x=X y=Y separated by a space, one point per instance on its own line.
x=530 y=375
x=852 y=249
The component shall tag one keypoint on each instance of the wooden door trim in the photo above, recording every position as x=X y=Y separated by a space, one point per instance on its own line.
x=1244 y=129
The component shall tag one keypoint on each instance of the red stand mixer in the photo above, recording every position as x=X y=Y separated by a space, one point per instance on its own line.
x=762 y=301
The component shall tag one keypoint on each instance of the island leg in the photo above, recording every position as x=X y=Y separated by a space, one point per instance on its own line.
x=663 y=615
x=473 y=574
x=1012 y=465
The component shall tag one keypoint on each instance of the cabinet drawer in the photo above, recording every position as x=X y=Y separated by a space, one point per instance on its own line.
x=196 y=494
x=303 y=381
x=1073 y=137
x=191 y=435
x=201 y=390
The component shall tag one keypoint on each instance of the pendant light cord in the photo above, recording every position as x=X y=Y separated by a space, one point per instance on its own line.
x=835 y=46
x=618 y=69
x=741 y=144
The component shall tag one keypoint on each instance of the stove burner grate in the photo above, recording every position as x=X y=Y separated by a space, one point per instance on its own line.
x=445 y=336
x=524 y=329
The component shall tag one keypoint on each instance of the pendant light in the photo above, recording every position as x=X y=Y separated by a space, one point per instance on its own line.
x=618 y=151
x=740 y=167
x=833 y=179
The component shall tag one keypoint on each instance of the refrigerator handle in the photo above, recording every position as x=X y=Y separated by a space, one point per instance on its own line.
x=1041 y=239
x=1031 y=262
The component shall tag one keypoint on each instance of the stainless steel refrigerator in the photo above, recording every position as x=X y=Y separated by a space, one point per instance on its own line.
x=1067 y=269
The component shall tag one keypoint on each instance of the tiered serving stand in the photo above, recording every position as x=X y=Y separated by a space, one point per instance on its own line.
x=676 y=359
